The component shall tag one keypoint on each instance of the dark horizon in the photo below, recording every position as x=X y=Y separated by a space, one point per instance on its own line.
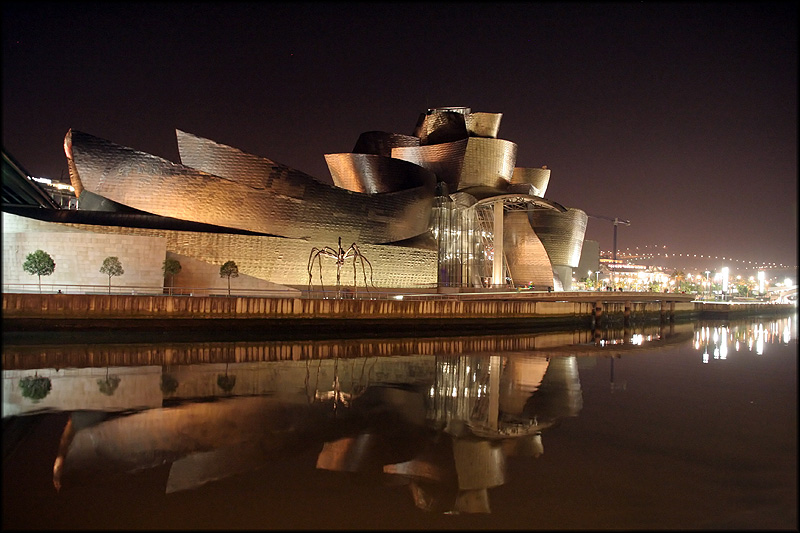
x=681 y=118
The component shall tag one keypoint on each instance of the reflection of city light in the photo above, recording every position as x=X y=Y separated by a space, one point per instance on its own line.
x=760 y=341
x=752 y=337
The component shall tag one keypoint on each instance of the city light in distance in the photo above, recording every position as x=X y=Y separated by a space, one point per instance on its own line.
x=656 y=251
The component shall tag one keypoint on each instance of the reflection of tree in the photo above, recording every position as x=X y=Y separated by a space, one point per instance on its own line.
x=168 y=383
x=226 y=382
x=35 y=387
x=108 y=386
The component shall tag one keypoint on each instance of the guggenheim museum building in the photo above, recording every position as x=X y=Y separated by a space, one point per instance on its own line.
x=443 y=208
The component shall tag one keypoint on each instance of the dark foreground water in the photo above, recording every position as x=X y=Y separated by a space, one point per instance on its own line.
x=682 y=426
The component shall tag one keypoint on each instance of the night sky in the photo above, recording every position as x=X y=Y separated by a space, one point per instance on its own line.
x=680 y=117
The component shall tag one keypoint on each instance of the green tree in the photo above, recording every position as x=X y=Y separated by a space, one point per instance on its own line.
x=109 y=385
x=744 y=289
x=171 y=268
x=35 y=387
x=679 y=276
x=226 y=382
x=111 y=267
x=229 y=270
x=168 y=383
x=39 y=263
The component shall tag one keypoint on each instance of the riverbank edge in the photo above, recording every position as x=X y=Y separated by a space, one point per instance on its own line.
x=26 y=316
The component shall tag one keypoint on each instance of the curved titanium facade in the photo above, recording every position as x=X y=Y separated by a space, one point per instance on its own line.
x=436 y=127
x=228 y=162
x=488 y=162
x=433 y=196
x=538 y=178
x=287 y=203
x=382 y=143
x=561 y=233
x=372 y=174
x=484 y=124
x=445 y=160
x=526 y=257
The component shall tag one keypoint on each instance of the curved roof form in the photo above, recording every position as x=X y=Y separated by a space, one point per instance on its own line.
x=538 y=178
x=231 y=163
x=445 y=160
x=382 y=143
x=442 y=126
x=246 y=192
x=484 y=124
x=522 y=202
x=372 y=174
x=488 y=162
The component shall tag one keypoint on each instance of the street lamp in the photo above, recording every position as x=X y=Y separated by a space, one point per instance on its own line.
x=705 y=292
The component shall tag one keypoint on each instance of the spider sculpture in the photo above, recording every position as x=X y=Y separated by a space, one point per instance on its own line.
x=340 y=256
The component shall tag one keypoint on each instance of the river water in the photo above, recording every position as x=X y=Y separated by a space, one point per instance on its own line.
x=691 y=425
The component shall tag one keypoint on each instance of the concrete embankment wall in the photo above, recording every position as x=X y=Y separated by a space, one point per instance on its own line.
x=737 y=310
x=95 y=311
x=95 y=306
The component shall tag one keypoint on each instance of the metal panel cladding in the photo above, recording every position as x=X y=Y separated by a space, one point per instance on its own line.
x=561 y=233
x=536 y=177
x=526 y=257
x=372 y=174
x=484 y=124
x=436 y=127
x=445 y=160
x=250 y=193
x=382 y=143
x=488 y=163
x=221 y=160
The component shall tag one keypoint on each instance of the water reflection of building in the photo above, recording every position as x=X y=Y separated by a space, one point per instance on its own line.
x=448 y=449
x=442 y=425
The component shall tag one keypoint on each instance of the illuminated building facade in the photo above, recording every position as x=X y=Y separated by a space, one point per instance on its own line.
x=443 y=207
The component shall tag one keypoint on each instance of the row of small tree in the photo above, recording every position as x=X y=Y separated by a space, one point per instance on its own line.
x=37 y=387
x=40 y=263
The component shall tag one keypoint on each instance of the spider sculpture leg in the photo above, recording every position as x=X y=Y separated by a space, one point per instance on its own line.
x=364 y=260
x=313 y=255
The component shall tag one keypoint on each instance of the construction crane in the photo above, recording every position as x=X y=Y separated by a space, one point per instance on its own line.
x=617 y=222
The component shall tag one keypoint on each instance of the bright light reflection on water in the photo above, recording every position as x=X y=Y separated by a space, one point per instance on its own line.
x=687 y=425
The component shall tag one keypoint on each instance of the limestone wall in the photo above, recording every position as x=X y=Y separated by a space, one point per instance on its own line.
x=201 y=279
x=78 y=256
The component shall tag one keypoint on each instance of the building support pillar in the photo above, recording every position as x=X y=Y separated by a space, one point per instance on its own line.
x=498 y=272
